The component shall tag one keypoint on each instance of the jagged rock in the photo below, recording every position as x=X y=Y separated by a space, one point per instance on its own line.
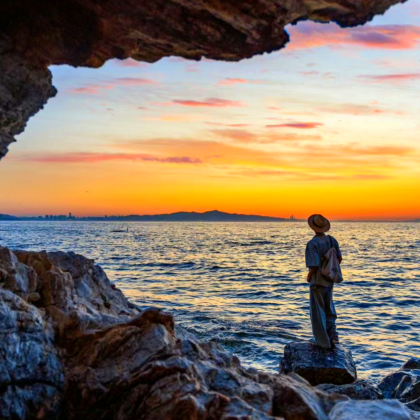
x=413 y=363
x=370 y=410
x=81 y=351
x=318 y=365
x=296 y=399
x=86 y=33
x=404 y=385
x=25 y=87
x=359 y=390
x=31 y=374
x=75 y=292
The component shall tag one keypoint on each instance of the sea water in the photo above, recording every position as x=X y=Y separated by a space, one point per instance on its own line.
x=244 y=284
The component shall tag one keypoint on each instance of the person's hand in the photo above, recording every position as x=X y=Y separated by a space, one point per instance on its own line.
x=308 y=279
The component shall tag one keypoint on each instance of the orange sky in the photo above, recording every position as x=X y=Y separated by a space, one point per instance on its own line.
x=328 y=125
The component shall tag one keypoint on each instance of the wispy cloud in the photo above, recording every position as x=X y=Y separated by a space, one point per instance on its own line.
x=299 y=125
x=249 y=137
x=84 y=157
x=95 y=89
x=308 y=176
x=392 y=78
x=392 y=37
x=208 y=103
x=233 y=81
x=358 y=109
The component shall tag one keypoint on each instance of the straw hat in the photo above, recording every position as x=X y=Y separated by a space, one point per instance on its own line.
x=319 y=223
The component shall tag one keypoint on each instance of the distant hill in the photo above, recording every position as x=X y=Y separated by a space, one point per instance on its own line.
x=8 y=217
x=209 y=216
x=183 y=216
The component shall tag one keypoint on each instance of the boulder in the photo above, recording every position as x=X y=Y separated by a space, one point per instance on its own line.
x=370 y=410
x=75 y=292
x=404 y=385
x=413 y=363
x=359 y=390
x=295 y=399
x=318 y=365
x=31 y=373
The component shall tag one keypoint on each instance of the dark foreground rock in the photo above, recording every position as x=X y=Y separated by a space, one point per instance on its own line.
x=370 y=410
x=359 y=390
x=404 y=385
x=72 y=347
x=318 y=365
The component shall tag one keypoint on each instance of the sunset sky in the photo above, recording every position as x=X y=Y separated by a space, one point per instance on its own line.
x=328 y=125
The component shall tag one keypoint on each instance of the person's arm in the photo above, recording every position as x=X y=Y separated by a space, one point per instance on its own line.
x=312 y=259
x=337 y=248
x=312 y=271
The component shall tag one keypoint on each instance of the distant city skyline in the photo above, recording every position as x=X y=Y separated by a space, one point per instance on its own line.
x=328 y=125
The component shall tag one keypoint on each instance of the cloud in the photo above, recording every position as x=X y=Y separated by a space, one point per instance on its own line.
x=209 y=151
x=392 y=78
x=299 y=125
x=249 y=137
x=85 y=157
x=132 y=81
x=90 y=90
x=209 y=103
x=391 y=37
x=230 y=81
x=357 y=109
x=308 y=176
x=120 y=81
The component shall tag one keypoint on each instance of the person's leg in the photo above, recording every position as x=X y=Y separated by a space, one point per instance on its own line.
x=330 y=313
x=318 y=317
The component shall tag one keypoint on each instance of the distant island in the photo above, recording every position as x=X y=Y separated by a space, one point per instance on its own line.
x=208 y=216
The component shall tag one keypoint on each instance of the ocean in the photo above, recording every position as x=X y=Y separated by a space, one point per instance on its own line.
x=244 y=284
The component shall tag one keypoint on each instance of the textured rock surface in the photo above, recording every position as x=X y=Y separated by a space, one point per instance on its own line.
x=318 y=365
x=359 y=390
x=37 y=34
x=403 y=385
x=31 y=374
x=72 y=347
x=370 y=410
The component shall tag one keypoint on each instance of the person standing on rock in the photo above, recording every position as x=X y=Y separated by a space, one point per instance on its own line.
x=323 y=314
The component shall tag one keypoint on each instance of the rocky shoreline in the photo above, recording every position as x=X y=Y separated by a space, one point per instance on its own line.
x=72 y=347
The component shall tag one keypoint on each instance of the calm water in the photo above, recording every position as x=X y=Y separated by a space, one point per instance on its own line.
x=244 y=283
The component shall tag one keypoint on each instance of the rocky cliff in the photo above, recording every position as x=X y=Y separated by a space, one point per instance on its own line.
x=73 y=347
x=36 y=34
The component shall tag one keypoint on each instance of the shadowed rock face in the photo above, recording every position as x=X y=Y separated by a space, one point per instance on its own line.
x=34 y=35
x=318 y=365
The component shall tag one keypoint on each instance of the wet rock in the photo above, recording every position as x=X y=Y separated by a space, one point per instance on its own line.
x=413 y=363
x=403 y=385
x=370 y=410
x=359 y=390
x=31 y=373
x=318 y=365
x=295 y=399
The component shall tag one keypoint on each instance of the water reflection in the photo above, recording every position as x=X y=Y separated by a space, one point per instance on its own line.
x=244 y=283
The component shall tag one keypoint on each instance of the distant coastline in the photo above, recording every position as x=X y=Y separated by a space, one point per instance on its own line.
x=209 y=216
